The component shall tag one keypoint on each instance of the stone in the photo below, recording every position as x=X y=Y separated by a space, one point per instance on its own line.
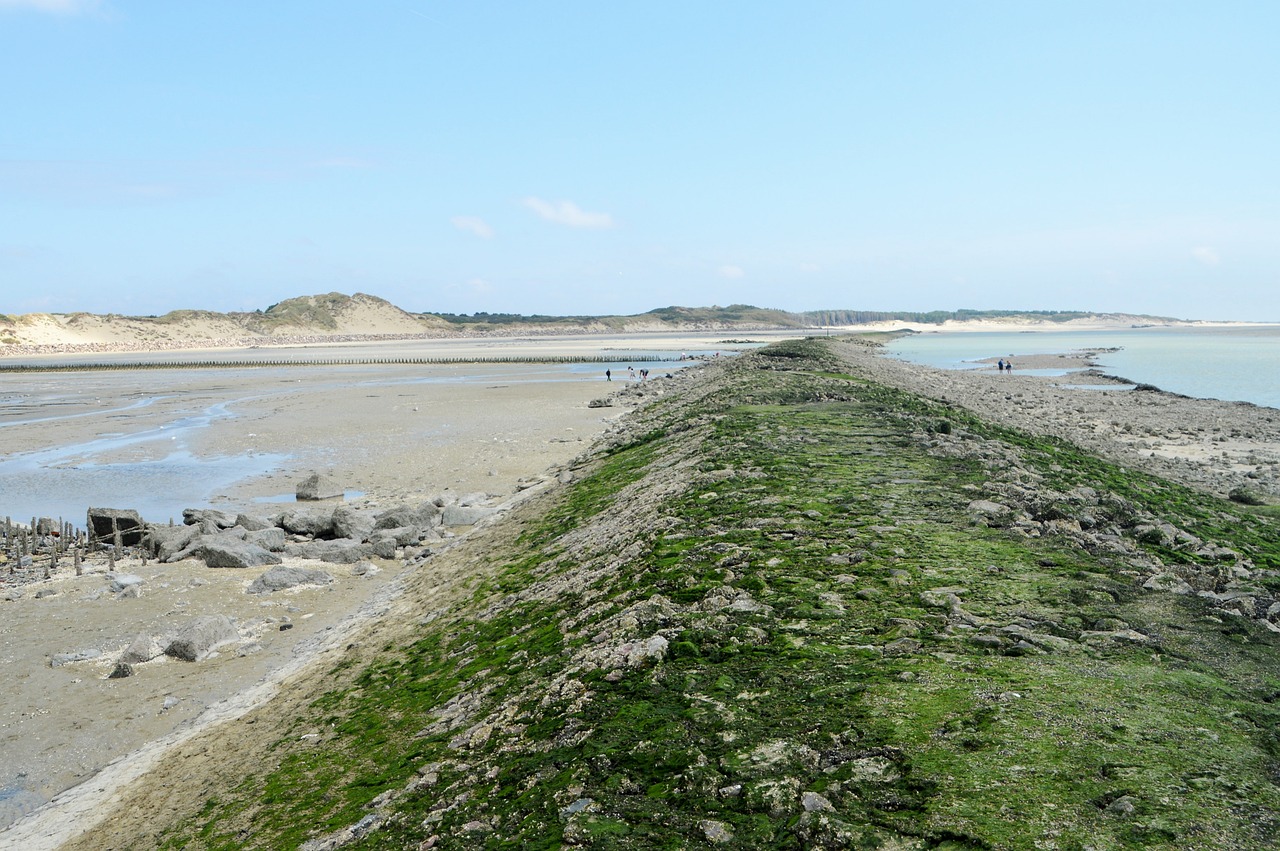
x=252 y=522
x=121 y=581
x=271 y=539
x=228 y=551
x=209 y=520
x=716 y=831
x=144 y=648
x=382 y=545
x=1168 y=582
x=342 y=551
x=200 y=637
x=426 y=515
x=121 y=670
x=352 y=523
x=311 y=522
x=404 y=536
x=103 y=524
x=317 y=487
x=813 y=802
x=165 y=542
x=280 y=578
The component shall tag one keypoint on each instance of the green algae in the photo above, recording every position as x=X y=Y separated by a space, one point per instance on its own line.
x=820 y=688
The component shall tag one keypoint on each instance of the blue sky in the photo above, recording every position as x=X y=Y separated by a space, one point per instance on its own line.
x=600 y=157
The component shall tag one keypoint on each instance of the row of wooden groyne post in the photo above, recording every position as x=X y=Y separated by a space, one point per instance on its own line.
x=35 y=551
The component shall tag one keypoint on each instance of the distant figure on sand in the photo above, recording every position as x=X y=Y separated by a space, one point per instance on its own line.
x=631 y=374
x=608 y=375
x=1000 y=364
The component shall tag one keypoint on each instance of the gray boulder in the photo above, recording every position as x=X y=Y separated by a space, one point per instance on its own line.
x=229 y=551
x=200 y=637
x=144 y=648
x=165 y=542
x=271 y=539
x=352 y=523
x=404 y=536
x=209 y=520
x=253 y=523
x=316 y=486
x=382 y=545
x=342 y=551
x=104 y=523
x=280 y=578
x=426 y=515
x=311 y=522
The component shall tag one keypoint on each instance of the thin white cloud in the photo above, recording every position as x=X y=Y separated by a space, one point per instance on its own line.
x=473 y=224
x=731 y=272
x=568 y=213
x=1206 y=255
x=479 y=285
x=51 y=7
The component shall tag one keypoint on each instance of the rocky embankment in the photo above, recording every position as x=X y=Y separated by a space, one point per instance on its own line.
x=1208 y=444
x=786 y=604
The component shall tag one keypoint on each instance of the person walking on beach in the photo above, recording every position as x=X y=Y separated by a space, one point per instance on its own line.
x=1000 y=364
x=608 y=375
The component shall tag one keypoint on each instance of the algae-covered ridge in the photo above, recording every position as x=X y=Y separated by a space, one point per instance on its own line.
x=785 y=607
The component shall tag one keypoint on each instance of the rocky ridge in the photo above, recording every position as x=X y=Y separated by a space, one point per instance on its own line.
x=787 y=604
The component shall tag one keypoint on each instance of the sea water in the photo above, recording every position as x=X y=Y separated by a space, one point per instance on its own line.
x=1233 y=363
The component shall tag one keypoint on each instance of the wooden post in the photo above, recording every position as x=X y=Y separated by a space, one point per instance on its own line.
x=79 y=566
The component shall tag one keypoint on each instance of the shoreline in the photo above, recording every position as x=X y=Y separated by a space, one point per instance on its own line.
x=1112 y=424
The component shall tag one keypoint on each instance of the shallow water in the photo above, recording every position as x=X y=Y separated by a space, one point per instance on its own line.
x=1234 y=364
x=147 y=457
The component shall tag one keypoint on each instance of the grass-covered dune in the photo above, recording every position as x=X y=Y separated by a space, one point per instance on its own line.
x=785 y=607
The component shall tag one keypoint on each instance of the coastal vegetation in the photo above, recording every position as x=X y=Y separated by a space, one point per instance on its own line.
x=784 y=606
x=361 y=315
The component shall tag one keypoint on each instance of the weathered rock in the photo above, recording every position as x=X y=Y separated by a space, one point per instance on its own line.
x=104 y=523
x=228 y=551
x=209 y=520
x=121 y=670
x=200 y=637
x=253 y=523
x=165 y=542
x=352 y=523
x=404 y=536
x=1168 y=582
x=317 y=486
x=280 y=578
x=342 y=551
x=426 y=515
x=271 y=539
x=382 y=545
x=312 y=522
x=144 y=648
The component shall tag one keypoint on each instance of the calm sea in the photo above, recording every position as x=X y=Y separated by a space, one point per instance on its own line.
x=1235 y=364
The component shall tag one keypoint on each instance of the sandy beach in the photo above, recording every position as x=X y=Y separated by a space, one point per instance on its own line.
x=390 y=433
x=404 y=433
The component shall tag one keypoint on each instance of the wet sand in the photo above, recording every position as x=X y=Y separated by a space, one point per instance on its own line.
x=506 y=430
x=393 y=433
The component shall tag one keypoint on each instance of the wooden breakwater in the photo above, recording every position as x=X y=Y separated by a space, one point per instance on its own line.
x=329 y=362
x=32 y=552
